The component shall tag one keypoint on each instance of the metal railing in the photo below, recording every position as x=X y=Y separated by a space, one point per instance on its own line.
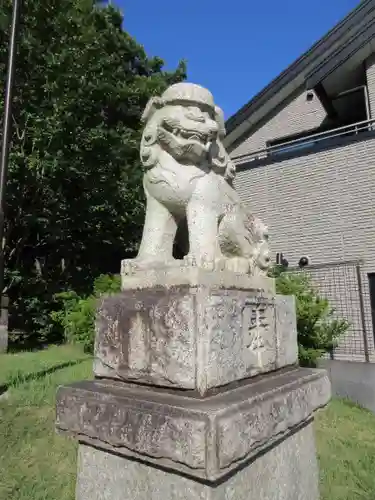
x=306 y=141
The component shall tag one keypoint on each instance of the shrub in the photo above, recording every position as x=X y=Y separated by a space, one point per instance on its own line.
x=77 y=314
x=318 y=329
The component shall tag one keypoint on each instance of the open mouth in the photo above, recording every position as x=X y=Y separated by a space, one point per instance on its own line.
x=189 y=135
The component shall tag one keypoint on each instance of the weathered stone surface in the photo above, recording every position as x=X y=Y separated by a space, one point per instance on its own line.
x=198 y=330
x=189 y=337
x=205 y=438
x=193 y=337
x=179 y=274
x=188 y=177
x=286 y=471
x=286 y=330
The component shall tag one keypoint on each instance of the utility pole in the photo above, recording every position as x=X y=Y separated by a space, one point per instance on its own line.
x=4 y=158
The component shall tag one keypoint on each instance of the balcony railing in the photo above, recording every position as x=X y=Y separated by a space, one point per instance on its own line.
x=306 y=142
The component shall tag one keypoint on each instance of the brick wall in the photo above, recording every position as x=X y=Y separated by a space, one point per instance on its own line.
x=370 y=76
x=298 y=116
x=320 y=204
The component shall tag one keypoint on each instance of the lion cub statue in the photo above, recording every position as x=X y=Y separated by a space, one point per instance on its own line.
x=188 y=179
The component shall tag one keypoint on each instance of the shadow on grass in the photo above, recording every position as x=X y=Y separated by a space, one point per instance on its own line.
x=35 y=462
x=20 y=378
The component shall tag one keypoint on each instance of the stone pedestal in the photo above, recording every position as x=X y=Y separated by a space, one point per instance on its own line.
x=195 y=335
x=288 y=471
x=197 y=395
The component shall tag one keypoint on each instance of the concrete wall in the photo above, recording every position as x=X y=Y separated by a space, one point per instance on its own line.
x=298 y=115
x=354 y=381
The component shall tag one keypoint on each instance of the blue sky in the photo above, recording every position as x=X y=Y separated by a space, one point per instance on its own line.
x=235 y=47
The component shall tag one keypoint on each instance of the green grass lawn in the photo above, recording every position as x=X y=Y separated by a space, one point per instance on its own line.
x=20 y=367
x=346 y=449
x=37 y=464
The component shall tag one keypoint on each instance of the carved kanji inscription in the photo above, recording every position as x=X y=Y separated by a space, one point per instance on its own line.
x=257 y=328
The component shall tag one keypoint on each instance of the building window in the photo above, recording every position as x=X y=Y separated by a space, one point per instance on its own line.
x=351 y=106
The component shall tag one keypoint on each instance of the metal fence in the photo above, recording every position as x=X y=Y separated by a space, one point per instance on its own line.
x=345 y=286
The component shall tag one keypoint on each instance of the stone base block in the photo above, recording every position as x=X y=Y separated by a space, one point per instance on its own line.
x=205 y=438
x=193 y=337
x=285 y=471
x=180 y=273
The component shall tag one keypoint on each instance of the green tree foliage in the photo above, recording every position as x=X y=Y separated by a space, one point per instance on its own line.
x=74 y=201
x=318 y=329
x=76 y=315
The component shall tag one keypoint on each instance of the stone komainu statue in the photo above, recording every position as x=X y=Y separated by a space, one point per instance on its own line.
x=188 y=183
